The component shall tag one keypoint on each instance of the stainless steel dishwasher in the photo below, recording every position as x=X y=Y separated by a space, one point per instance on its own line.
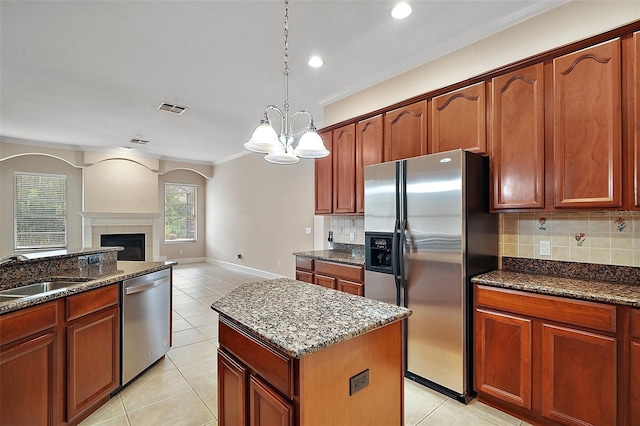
x=146 y=316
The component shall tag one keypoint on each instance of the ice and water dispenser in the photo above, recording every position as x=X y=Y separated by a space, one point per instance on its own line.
x=378 y=252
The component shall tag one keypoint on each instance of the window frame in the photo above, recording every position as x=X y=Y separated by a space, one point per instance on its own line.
x=194 y=216
x=65 y=178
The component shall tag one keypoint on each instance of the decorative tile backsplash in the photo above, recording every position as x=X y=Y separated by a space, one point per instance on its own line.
x=344 y=226
x=595 y=237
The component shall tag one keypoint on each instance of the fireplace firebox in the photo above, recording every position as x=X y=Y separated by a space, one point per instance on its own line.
x=133 y=245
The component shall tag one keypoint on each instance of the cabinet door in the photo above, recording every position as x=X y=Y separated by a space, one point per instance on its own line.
x=93 y=352
x=405 y=132
x=344 y=169
x=635 y=116
x=517 y=139
x=324 y=281
x=504 y=357
x=304 y=276
x=350 y=287
x=266 y=407
x=459 y=120
x=634 y=376
x=587 y=127
x=29 y=382
x=369 y=150
x=578 y=368
x=324 y=178
x=232 y=391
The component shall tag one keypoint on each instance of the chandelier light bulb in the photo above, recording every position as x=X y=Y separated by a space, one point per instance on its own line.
x=401 y=10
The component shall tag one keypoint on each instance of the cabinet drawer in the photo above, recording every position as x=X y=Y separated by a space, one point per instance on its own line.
x=304 y=263
x=91 y=301
x=274 y=367
x=304 y=276
x=635 y=323
x=338 y=270
x=25 y=322
x=598 y=316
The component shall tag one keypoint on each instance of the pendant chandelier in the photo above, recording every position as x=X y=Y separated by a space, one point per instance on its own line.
x=280 y=148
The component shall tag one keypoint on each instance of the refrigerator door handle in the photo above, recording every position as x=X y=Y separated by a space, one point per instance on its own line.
x=396 y=259
x=402 y=239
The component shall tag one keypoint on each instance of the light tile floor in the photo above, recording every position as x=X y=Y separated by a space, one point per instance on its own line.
x=181 y=388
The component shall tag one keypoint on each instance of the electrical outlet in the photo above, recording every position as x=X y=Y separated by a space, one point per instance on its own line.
x=545 y=248
x=352 y=236
x=307 y=231
x=358 y=382
x=93 y=260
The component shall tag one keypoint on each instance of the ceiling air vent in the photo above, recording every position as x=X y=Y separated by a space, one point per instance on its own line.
x=176 y=109
x=139 y=141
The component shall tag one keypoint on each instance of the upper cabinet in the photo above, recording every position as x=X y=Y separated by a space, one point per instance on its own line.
x=405 y=132
x=369 y=150
x=633 y=124
x=459 y=120
x=517 y=139
x=344 y=169
x=587 y=140
x=324 y=178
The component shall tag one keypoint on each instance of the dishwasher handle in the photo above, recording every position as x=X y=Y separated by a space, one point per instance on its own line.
x=145 y=286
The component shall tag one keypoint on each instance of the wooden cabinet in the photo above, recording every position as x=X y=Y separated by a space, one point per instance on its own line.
x=504 y=358
x=369 y=150
x=570 y=383
x=536 y=357
x=633 y=124
x=344 y=169
x=405 y=132
x=266 y=407
x=30 y=365
x=634 y=367
x=587 y=119
x=93 y=349
x=517 y=139
x=337 y=276
x=232 y=385
x=459 y=120
x=324 y=177
x=258 y=384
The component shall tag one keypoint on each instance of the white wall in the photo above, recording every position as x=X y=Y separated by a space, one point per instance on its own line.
x=260 y=210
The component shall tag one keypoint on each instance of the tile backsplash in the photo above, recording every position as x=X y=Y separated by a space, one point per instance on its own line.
x=344 y=226
x=611 y=237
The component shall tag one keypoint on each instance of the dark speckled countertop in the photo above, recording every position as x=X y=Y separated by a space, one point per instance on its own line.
x=300 y=318
x=593 y=290
x=348 y=253
x=125 y=270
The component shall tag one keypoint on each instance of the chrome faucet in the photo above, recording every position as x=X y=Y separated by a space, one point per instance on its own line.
x=12 y=258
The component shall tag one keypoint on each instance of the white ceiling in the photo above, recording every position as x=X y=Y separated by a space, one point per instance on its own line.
x=90 y=74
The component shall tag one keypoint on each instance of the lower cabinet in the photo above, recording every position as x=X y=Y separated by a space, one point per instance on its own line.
x=78 y=336
x=337 y=276
x=30 y=365
x=634 y=366
x=547 y=359
x=93 y=349
x=259 y=385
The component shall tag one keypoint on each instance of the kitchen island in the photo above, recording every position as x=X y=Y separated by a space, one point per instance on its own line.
x=296 y=353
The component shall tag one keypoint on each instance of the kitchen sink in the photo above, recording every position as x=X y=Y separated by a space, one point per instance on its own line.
x=34 y=289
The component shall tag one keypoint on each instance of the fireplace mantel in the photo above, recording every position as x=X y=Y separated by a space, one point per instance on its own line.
x=96 y=223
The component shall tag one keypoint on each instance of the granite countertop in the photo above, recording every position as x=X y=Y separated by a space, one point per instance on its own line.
x=592 y=290
x=351 y=257
x=300 y=318
x=126 y=270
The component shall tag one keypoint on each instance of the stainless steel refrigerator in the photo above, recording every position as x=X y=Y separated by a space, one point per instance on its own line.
x=428 y=230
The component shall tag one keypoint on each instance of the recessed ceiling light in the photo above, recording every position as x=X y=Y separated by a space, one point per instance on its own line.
x=315 y=62
x=401 y=10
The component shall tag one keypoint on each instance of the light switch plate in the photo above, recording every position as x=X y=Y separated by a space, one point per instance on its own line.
x=545 y=248
x=307 y=231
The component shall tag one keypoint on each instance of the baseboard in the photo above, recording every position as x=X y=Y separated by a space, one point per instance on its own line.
x=185 y=260
x=259 y=272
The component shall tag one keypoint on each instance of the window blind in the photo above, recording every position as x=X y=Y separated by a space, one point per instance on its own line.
x=40 y=211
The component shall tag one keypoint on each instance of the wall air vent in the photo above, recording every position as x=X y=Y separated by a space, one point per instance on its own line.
x=139 y=141
x=176 y=109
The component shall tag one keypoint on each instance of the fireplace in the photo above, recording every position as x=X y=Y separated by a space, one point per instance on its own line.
x=133 y=245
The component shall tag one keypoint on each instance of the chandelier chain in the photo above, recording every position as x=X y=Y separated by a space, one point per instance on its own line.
x=285 y=71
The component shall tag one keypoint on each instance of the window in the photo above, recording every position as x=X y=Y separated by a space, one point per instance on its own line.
x=180 y=212
x=40 y=215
